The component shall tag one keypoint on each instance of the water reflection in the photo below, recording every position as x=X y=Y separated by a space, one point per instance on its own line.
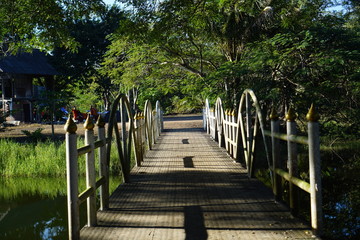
x=36 y=208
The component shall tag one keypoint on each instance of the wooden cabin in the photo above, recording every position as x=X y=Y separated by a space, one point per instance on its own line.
x=18 y=94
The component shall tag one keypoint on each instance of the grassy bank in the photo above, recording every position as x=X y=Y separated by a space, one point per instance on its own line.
x=41 y=159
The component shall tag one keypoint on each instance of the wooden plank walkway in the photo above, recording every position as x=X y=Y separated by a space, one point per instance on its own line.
x=188 y=188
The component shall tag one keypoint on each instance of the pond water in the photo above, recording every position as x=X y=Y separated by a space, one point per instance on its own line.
x=35 y=208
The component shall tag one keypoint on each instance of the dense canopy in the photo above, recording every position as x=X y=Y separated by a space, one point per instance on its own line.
x=290 y=52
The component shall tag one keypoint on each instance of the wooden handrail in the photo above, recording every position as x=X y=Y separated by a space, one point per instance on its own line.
x=296 y=181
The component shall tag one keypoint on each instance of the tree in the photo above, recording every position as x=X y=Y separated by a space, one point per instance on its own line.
x=80 y=69
x=27 y=24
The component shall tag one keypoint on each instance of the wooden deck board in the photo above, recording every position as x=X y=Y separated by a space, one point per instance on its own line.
x=188 y=188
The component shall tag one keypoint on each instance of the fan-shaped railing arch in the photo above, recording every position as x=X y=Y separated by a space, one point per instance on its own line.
x=138 y=132
x=233 y=132
x=237 y=130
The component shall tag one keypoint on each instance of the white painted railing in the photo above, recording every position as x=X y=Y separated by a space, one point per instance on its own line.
x=237 y=131
x=136 y=133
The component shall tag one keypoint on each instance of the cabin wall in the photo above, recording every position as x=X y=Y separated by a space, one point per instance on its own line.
x=17 y=97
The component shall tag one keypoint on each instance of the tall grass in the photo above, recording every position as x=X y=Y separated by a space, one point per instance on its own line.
x=41 y=159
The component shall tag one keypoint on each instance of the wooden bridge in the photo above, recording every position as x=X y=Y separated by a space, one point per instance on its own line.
x=184 y=187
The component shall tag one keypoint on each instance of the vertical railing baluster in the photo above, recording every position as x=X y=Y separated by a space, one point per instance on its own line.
x=315 y=171
x=103 y=168
x=227 y=131
x=138 y=147
x=276 y=164
x=230 y=133
x=90 y=171
x=143 y=135
x=72 y=179
x=249 y=135
x=148 y=124
x=292 y=159
x=123 y=134
x=238 y=137
x=233 y=133
x=153 y=126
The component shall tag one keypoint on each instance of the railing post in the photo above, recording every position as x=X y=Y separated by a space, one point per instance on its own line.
x=161 y=120
x=211 y=114
x=315 y=171
x=137 y=139
x=90 y=172
x=148 y=124
x=233 y=134
x=72 y=179
x=238 y=137
x=160 y=124
x=228 y=122
x=143 y=135
x=103 y=168
x=275 y=125
x=249 y=135
x=207 y=112
x=230 y=133
x=204 y=118
x=154 y=125
x=123 y=133
x=292 y=159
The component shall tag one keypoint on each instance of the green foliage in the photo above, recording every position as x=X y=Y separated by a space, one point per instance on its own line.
x=84 y=98
x=34 y=136
x=27 y=24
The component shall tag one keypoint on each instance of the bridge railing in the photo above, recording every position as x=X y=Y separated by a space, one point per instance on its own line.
x=237 y=131
x=137 y=133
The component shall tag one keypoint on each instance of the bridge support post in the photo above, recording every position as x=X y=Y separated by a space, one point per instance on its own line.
x=275 y=125
x=72 y=179
x=315 y=171
x=292 y=159
x=103 y=168
x=90 y=172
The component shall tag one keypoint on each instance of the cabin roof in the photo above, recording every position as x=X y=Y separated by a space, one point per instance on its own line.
x=35 y=63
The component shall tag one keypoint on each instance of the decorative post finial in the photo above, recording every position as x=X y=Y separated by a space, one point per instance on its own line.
x=273 y=114
x=89 y=124
x=312 y=115
x=291 y=115
x=70 y=125
x=100 y=121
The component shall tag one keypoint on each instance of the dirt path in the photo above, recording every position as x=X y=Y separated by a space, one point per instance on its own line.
x=15 y=132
